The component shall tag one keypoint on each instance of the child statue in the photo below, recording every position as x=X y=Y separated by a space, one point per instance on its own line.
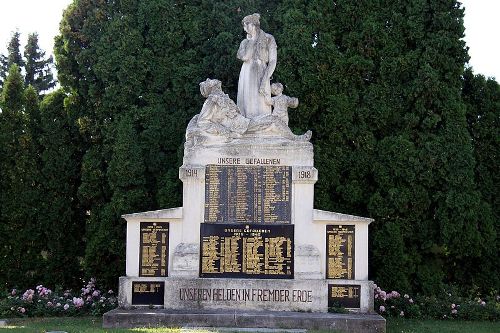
x=281 y=102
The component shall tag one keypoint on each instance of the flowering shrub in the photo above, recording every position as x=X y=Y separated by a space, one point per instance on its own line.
x=43 y=302
x=446 y=306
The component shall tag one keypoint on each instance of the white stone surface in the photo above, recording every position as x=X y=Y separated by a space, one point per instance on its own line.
x=193 y=196
x=307 y=262
x=258 y=51
x=188 y=329
x=322 y=218
x=172 y=215
x=251 y=149
x=185 y=260
x=249 y=294
x=309 y=227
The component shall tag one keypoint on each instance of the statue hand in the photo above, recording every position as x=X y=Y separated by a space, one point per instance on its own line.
x=269 y=100
x=262 y=91
x=262 y=87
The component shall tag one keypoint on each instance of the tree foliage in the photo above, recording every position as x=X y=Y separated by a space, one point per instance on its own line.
x=12 y=144
x=13 y=57
x=41 y=222
x=381 y=85
x=37 y=68
x=60 y=215
x=482 y=99
x=401 y=133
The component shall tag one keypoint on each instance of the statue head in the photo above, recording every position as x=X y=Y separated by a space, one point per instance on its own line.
x=276 y=88
x=251 y=20
x=210 y=86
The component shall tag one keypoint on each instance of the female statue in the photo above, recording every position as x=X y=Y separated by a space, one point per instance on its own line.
x=258 y=53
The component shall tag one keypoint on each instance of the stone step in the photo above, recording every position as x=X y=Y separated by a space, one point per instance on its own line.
x=345 y=323
x=188 y=329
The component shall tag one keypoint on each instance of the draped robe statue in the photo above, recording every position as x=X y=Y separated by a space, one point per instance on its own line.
x=258 y=53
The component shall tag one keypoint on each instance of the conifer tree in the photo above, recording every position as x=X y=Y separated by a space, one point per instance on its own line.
x=17 y=250
x=145 y=57
x=11 y=130
x=13 y=57
x=61 y=218
x=38 y=68
x=380 y=85
x=126 y=178
x=482 y=100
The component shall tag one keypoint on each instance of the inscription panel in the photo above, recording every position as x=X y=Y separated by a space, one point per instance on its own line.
x=148 y=293
x=248 y=194
x=340 y=252
x=346 y=296
x=153 y=254
x=246 y=251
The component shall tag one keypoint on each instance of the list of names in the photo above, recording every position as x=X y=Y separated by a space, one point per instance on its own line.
x=248 y=194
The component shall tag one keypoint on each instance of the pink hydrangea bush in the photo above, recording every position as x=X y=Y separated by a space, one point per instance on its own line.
x=42 y=301
x=445 y=306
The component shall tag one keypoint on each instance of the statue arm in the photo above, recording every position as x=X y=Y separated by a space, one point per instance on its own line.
x=269 y=101
x=243 y=53
x=207 y=111
x=293 y=102
x=271 y=66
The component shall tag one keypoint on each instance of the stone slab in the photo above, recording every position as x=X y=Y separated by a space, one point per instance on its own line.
x=252 y=150
x=345 y=323
x=246 y=294
x=188 y=329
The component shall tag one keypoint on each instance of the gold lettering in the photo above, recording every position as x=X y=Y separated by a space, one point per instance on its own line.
x=252 y=259
x=339 y=292
x=210 y=254
x=336 y=268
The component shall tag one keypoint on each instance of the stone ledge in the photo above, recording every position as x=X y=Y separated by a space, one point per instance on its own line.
x=346 y=323
x=188 y=329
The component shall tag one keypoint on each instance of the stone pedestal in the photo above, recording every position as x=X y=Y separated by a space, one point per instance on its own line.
x=311 y=287
x=252 y=320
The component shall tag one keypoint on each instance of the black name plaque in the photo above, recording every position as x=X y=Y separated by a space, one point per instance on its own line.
x=248 y=194
x=148 y=293
x=246 y=251
x=344 y=295
x=153 y=256
x=340 y=252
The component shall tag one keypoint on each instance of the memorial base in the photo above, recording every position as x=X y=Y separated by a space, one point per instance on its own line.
x=243 y=294
x=345 y=323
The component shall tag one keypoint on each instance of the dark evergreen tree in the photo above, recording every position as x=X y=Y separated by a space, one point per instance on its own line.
x=127 y=179
x=379 y=83
x=482 y=100
x=38 y=68
x=13 y=57
x=139 y=59
x=17 y=251
x=60 y=215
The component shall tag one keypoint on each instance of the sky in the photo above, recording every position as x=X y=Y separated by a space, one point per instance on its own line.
x=482 y=28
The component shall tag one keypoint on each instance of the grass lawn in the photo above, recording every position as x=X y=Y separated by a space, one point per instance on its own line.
x=94 y=325
x=71 y=325
x=440 y=326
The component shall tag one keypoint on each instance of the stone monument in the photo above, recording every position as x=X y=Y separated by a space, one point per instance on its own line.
x=247 y=248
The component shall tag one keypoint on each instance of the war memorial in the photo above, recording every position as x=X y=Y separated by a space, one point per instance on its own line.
x=247 y=249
